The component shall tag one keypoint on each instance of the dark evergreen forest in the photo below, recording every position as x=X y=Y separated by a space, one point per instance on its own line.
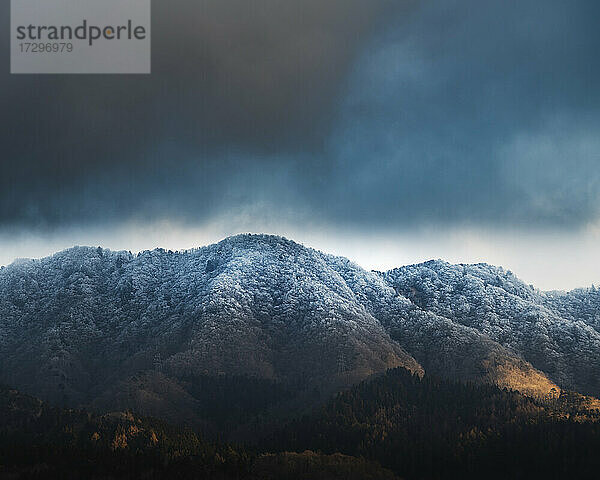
x=396 y=425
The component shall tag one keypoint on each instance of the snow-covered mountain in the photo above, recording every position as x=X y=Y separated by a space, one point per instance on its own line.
x=556 y=332
x=75 y=325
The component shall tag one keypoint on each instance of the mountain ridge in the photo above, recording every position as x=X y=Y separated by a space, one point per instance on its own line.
x=75 y=324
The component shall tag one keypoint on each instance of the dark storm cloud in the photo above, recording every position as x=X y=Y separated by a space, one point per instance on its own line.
x=354 y=111
x=475 y=112
x=227 y=75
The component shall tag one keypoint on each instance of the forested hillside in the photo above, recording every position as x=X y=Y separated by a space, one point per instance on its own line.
x=556 y=332
x=396 y=425
x=38 y=441
x=427 y=427
x=86 y=321
x=244 y=339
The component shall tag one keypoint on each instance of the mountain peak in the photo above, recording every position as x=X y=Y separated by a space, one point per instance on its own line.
x=262 y=305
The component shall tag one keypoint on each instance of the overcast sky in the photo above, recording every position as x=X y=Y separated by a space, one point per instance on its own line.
x=391 y=132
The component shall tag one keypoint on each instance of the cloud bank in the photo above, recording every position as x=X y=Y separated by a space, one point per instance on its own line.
x=358 y=113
